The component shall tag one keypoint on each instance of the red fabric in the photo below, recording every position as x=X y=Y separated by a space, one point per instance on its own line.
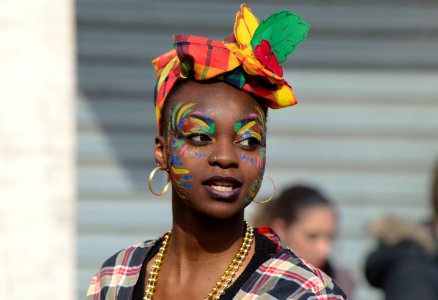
x=267 y=58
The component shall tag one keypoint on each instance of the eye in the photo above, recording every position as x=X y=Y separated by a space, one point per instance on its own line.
x=249 y=143
x=199 y=138
x=312 y=235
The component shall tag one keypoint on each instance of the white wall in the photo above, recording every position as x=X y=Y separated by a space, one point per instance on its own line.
x=37 y=135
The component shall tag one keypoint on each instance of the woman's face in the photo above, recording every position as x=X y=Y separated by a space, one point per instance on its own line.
x=311 y=236
x=215 y=148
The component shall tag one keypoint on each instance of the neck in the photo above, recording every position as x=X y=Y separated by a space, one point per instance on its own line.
x=197 y=237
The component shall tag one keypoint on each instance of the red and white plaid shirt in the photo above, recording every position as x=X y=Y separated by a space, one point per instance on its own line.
x=283 y=276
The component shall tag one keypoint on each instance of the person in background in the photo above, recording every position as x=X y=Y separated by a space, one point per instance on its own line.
x=405 y=263
x=306 y=222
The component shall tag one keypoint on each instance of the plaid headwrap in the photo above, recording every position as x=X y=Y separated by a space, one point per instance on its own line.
x=248 y=60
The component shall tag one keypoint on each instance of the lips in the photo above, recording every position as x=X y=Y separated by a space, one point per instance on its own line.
x=223 y=188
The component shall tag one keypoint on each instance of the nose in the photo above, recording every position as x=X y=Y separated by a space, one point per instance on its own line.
x=224 y=154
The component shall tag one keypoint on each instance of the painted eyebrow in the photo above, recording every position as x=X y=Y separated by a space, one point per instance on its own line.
x=245 y=125
x=202 y=120
x=200 y=116
x=247 y=120
x=209 y=122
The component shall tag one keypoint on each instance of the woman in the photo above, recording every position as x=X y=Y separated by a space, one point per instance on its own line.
x=211 y=106
x=305 y=220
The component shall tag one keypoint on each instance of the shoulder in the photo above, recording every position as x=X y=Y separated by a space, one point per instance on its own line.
x=287 y=276
x=120 y=272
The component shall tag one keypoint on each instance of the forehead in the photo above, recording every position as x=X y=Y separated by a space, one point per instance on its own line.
x=317 y=214
x=217 y=100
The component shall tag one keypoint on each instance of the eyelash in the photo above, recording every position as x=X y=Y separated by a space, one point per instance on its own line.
x=192 y=138
x=253 y=143
x=200 y=139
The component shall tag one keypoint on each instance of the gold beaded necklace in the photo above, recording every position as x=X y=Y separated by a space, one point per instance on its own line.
x=221 y=285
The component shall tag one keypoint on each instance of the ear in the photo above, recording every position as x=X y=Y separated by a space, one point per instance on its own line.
x=279 y=226
x=160 y=152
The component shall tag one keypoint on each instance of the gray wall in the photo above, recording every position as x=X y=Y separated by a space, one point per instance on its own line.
x=365 y=130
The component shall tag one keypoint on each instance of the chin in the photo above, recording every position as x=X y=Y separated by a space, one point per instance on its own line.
x=221 y=210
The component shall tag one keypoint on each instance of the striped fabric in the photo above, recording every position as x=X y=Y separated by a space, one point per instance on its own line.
x=284 y=276
x=119 y=274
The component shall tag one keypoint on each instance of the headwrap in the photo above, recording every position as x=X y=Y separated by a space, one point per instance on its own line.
x=248 y=60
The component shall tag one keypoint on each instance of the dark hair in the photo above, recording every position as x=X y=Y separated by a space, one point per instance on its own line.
x=292 y=201
x=177 y=87
x=435 y=190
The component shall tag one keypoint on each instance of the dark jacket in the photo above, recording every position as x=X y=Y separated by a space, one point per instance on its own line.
x=405 y=263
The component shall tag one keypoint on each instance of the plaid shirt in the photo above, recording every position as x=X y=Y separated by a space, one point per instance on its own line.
x=284 y=276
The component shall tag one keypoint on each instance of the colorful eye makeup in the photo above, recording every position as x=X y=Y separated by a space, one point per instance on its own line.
x=195 y=126
x=192 y=126
x=195 y=129
x=179 y=112
x=254 y=129
x=251 y=132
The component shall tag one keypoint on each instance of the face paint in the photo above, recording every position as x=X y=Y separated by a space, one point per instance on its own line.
x=197 y=132
x=261 y=159
x=181 y=176
x=247 y=158
x=253 y=190
x=260 y=164
x=193 y=125
x=246 y=129
x=187 y=125
x=261 y=116
x=251 y=133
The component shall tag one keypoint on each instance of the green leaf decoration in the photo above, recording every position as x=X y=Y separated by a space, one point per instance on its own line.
x=284 y=31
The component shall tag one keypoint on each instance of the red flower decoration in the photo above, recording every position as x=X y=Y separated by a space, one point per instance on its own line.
x=267 y=58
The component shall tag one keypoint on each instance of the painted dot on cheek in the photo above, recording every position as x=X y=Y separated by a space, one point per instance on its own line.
x=181 y=176
x=187 y=177
x=176 y=161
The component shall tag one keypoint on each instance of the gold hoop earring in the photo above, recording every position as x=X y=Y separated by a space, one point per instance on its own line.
x=151 y=177
x=274 y=192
